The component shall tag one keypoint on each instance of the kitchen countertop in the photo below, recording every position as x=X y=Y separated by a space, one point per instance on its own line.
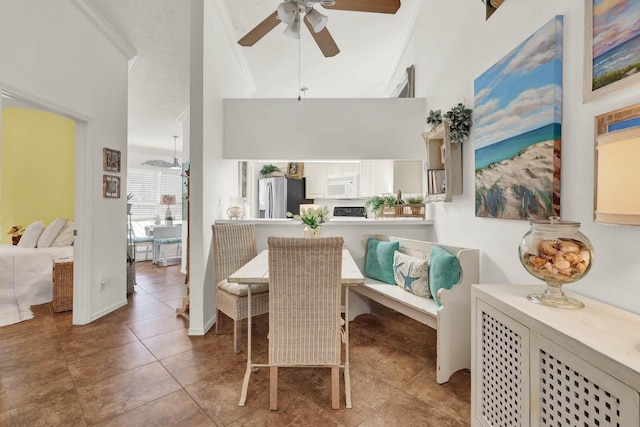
x=339 y=221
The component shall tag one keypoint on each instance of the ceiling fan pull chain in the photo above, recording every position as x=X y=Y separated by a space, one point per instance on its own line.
x=299 y=68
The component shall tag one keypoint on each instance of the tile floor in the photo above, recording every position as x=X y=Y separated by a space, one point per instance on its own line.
x=138 y=367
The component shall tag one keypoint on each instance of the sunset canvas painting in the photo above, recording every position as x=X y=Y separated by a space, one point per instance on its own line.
x=616 y=41
x=517 y=124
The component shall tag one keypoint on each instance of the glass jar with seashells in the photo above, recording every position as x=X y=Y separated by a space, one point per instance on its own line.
x=558 y=253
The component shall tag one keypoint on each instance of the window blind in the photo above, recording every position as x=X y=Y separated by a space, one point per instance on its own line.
x=147 y=187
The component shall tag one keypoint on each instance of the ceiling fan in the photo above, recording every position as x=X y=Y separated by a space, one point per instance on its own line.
x=289 y=12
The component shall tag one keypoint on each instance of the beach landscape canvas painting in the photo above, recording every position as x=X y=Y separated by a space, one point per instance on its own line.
x=612 y=43
x=517 y=124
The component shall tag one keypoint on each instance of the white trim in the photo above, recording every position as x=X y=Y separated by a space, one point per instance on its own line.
x=198 y=332
x=229 y=29
x=408 y=32
x=82 y=215
x=105 y=28
x=106 y=310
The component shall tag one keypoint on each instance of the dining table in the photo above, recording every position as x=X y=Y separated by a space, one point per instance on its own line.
x=256 y=271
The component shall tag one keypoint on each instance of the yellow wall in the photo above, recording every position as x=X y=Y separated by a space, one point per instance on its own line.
x=37 y=174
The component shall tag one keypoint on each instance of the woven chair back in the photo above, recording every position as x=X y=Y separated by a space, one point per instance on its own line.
x=233 y=246
x=304 y=301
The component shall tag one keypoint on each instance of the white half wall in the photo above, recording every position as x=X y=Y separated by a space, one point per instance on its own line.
x=52 y=55
x=324 y=129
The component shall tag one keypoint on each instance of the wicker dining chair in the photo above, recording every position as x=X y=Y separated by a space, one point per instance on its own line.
x=233 y=246
x=305 y=323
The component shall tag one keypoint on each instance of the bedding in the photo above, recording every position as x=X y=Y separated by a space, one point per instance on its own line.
x=25 y=273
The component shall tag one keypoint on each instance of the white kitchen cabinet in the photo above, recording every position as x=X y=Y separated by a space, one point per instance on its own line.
x=376 y=177
x=342 y=169
x=534 y=365
x=407 y=176
x=316 y=180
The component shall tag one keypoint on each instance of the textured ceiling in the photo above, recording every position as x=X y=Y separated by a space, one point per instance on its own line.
x=279 y=65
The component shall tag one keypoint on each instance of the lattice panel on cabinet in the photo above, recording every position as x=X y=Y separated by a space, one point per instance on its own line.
x=502 y=374
x=567 y=398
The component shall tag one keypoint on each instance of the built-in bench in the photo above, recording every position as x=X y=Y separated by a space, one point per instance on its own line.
x=452 y=320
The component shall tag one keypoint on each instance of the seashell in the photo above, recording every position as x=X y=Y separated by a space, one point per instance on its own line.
x=561 y=263
x=537 y=261
x=585 y=255
x=581 y=267
x=573 y=258
x=549 y=246
x=565 y=271
x=569 y=247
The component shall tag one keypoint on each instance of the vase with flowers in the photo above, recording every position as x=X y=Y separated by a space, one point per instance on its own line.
x=312 y=218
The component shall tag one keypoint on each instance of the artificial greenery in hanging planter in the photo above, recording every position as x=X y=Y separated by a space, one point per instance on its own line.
x=268 y=170
x=459 y=119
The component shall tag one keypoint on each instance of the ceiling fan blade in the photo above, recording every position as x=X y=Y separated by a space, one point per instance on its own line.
x=260 y=30
x=324 y=40
x=378 y=6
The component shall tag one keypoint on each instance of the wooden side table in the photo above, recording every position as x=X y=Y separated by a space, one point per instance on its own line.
x=62 y=285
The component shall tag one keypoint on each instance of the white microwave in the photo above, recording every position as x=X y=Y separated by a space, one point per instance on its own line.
x=342 y=187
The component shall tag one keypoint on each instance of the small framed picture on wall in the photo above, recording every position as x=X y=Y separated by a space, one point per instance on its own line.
x=111 y=186
x=295 y=170
x=111 y=160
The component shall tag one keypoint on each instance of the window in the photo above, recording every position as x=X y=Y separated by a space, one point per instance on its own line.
x=147 y=187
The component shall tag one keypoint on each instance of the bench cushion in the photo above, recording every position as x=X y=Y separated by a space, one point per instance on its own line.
x=166 y=240
x=411 y=274
x=379 y=262
x=444 y=271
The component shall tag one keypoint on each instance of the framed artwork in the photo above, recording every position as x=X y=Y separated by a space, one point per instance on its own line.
x=295 y=170
x=517 y=123
x=407 y=87
x=111 y=186
x=612 y=47
x=111 y=160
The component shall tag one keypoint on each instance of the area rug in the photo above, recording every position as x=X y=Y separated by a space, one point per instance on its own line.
x=10 y=314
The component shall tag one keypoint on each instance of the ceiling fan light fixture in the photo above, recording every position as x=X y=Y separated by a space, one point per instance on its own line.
x=328 y=2
x=287 y=12
x=293 y=29
x=318 y=21
x=176 y=164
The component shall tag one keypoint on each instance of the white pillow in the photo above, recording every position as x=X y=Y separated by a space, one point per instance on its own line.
x=50 y=233
x=31 y=235
x=65 y=236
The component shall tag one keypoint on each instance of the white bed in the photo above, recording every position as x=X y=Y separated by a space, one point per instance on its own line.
x=25 y=274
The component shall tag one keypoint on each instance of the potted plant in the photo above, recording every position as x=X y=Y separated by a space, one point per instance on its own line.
x=416 y=203
x=374 y=205
x=459 y=118
x=312 y=219
x=269 y=170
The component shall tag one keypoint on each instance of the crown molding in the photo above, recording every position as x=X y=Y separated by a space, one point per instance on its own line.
x=105 y=28
x=223 y=13
x=409 y=29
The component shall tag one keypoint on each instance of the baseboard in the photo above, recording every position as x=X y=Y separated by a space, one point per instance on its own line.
x=108 y=310
x=201 y=331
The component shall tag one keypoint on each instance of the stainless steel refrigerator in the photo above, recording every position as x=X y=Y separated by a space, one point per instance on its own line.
x=279 y=195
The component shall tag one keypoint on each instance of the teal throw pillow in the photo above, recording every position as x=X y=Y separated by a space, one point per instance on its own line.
x=379 y=262
x=444 y=271
x=412 y=274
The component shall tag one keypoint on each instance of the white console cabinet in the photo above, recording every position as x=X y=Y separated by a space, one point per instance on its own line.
x=539 y=366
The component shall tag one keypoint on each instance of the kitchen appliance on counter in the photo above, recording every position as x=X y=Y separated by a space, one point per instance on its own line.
x=279 y=195
x=349 y=212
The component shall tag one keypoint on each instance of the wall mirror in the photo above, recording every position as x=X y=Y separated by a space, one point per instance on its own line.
x=617 y=176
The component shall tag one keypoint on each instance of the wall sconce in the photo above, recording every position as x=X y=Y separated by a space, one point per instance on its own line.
x=617 y=197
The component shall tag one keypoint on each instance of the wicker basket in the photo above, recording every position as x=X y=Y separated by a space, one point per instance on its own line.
x=415 y=210
x=131 y=275
x=62 y=286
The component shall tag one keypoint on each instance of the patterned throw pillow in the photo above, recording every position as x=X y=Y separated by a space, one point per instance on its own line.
x=412 y=274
